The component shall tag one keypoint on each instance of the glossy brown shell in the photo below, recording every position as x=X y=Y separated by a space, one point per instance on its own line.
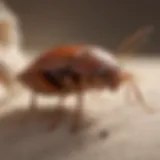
x=60 y=56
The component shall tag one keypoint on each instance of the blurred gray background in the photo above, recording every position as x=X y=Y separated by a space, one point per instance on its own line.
x=105 y=22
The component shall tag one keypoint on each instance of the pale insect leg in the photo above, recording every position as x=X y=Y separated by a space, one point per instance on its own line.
x=68 y=84
x=33 y=105
x=59 y=112
x=78 y=113
x=62 y=95
x=139 y=96
x=61 y=99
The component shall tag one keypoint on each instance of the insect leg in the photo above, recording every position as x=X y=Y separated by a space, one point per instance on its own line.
x=78 y=113
x=61 y=99
x=33 y=105
x=59 y=113
x=139 y=96
x=129 y=78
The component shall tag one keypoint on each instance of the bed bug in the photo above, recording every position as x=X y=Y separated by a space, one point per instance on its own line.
x=78 y=68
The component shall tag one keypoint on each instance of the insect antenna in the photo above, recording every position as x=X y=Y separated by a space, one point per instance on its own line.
x=126 y=49
x=133 y=42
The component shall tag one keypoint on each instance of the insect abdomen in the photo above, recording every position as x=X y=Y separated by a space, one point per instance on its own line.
x=58 y=77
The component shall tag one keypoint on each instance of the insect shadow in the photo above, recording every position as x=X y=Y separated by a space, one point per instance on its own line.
x=38 y=134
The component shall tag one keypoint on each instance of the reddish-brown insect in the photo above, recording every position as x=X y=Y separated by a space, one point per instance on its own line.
x=78 y=68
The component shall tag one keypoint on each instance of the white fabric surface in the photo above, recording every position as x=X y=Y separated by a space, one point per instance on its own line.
x=133 y=134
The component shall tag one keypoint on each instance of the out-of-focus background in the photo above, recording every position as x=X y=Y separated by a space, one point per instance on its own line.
x=50 y=23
